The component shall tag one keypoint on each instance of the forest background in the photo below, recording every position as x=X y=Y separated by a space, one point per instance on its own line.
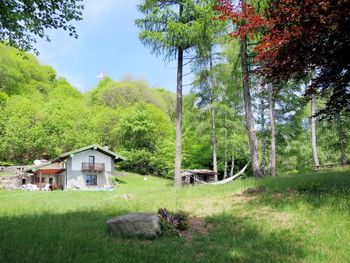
x=42 y=116
x=277 y=93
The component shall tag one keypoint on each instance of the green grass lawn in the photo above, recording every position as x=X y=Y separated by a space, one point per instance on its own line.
x=297 y=219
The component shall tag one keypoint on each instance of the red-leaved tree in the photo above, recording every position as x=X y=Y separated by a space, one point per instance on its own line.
x=301 y=37
x=247 y=22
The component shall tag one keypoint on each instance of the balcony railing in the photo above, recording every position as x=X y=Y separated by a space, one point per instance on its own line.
x=93 y=167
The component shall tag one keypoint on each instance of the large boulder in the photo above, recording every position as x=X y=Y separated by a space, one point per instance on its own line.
x=139 y=225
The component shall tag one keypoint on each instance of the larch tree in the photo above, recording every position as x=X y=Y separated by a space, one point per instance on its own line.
x=263 y=131
x=273 y=131
x=23 y=20
x=205 y=64
x=170 y=28
x=240 y=17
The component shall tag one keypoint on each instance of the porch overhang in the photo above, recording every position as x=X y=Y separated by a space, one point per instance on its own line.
x=48 y=171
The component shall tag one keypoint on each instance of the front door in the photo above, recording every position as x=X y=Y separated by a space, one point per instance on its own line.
x=91 y=162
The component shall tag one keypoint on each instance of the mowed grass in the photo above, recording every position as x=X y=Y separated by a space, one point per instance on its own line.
x=304 y=218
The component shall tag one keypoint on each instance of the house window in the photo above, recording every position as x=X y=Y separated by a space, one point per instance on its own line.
x=91 y=180
x=42 y=179
x=37 y=180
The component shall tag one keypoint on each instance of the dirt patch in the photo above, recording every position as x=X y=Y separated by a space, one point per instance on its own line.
x=252 y=191
x=196 y=225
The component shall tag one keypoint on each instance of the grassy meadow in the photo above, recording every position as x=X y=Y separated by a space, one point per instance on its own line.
x=304 y=218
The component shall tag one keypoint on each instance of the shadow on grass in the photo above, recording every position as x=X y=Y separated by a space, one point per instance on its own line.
x=334 y=198
x=242 y=240
x=318 y=190
x=82 y=237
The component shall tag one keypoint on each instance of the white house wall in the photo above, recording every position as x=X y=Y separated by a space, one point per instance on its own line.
x=83 y=157
x=77 y=178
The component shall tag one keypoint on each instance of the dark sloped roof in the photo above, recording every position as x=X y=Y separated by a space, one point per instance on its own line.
x=89 y=147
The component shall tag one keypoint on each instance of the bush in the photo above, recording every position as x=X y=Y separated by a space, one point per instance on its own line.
x=172 y=223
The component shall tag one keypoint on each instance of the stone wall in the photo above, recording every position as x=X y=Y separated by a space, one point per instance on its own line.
x=10 y=182
x=15 y=170
x=11 y=177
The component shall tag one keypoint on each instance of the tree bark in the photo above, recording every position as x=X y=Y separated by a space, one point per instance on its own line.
x=225 y=168
x=262 y=116
x=213 y=130
x=341 y=139
x=314 y=132
x=232 y=164
x=212 y=113
x=178 y=154
x=253 y=143
x=273 y=133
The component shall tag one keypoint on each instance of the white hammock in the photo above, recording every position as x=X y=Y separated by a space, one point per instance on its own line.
x=225 y=180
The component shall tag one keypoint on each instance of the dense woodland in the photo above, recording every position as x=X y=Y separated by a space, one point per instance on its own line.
x=42 y=115
x=262 y=91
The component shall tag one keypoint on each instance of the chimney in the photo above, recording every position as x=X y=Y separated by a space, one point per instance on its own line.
x=106 y=147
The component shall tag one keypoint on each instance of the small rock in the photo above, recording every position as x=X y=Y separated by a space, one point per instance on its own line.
x=126 y=196
x=140 y=225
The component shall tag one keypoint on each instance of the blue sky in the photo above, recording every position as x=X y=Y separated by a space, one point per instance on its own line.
x=108 y=42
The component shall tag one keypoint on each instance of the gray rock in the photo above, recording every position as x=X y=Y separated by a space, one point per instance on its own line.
x=135 y=225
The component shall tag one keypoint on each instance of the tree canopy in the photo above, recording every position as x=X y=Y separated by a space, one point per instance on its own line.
x=42 y=115
x=300 y=40
x=24 y=20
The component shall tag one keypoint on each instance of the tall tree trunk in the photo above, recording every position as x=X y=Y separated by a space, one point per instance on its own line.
x=273 y=133
x=225 y=143
x=177 y=175
x=262 y=116
x=341 y=139
x=212 y=111
x=232 y=163
x=225 y=168
x=213 y=130
x=314 y=132
x=253 y=142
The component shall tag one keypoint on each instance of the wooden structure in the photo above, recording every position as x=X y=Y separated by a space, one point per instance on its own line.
x=194 y=176
x=93 y=167
x=47 y=173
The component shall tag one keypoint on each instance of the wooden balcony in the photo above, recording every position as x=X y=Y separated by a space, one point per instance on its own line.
x=93 y=167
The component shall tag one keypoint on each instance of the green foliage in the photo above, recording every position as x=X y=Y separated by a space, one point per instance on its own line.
x=168 y=229
x=180 y=223
x=43 y=115
x=169 y=25
x=127 y=93
x=20 y=75
x=143 y=127
x=24 y=20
